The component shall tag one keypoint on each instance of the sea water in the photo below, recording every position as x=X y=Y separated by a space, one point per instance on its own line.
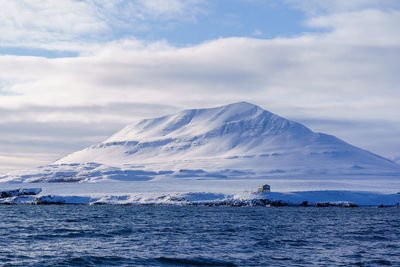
x=67 y=235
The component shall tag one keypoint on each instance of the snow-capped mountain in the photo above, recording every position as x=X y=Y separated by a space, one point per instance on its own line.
x=236 y=140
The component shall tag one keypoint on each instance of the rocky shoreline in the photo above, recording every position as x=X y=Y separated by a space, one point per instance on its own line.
x=33 y=196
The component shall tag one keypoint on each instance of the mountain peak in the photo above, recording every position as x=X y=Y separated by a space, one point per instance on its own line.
x=236 y=118
x=232 y=109
x=241 y=104
x=235 y=140
x=239 y=136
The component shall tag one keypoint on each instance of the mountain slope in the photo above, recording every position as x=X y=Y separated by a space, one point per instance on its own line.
x=236 y=140
x=225 y=131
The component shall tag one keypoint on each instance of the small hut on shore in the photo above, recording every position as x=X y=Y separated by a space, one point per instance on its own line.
x=264 y=188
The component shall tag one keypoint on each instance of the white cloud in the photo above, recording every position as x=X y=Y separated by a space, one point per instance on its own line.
x=170 y=9
x=367 y=27
x=23 y=161
x=46 y=21
x=293 y=77
x=74 y=25
x=349 y=73
x=316 y=7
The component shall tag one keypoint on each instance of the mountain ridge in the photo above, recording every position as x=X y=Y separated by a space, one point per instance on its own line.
x=239 y=139
x=242 y=122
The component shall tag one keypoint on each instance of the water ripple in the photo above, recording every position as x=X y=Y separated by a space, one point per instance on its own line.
x=198 y=236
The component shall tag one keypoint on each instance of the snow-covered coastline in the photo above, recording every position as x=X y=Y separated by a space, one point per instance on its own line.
x=122 y=194
x=304 y=198
x=214 y=156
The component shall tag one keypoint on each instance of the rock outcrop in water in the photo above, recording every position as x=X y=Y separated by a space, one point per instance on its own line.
x=20 y=192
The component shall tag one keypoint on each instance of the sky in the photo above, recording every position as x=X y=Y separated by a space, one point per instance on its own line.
x=73 y=72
